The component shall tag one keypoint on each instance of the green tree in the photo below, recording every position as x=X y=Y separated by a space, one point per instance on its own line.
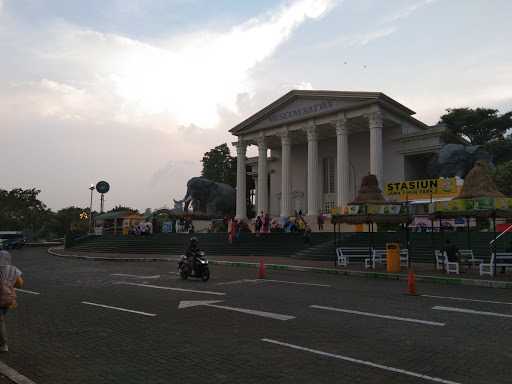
x=21 y=210
x=69 y=218
x=479 y=126
x=503 y=175
x=219 y=165
x=501 y=150
x=122 y=208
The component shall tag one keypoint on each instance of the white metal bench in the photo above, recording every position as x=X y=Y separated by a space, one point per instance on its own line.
x=442 y=263
x=451 y=266
x=502 y=259
x=345 y=254
x=379 y=256
x=468 y=255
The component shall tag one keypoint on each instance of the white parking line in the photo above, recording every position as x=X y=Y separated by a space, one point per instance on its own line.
x=27 y=291
x=212 y=303
x=172 y=288
x=119 y=309
x=362 y=362
x=378 y=315
x=464 y=299
x=13 y=375
x=470 y=311
x=136 y=276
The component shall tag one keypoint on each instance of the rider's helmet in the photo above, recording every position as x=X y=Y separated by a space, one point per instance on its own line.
x=194 y=241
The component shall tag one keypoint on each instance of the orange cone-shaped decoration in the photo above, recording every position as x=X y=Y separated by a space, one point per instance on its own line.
x=261 y=270
x=411 y=283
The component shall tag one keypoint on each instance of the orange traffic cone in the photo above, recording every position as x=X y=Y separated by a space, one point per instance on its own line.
x=261 y=270
x=411 y=283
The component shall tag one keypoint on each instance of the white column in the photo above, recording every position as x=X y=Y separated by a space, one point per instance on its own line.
x=241 y=206
x=262 y=188
x=376 y=150
x=342 y=163
x=313 y=187
x=286 y=188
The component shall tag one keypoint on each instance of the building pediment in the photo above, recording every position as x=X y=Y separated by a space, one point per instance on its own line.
x=299 y=105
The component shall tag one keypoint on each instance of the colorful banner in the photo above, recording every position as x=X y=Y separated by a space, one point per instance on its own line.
x=450 y=206
x=504 y=203
x=422 y=189
x=356 y=210
x=480 y=204
x=390 y=209
x=484 y=203
x=372 y=209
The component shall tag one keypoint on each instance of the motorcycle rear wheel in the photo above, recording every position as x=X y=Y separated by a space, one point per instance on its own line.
x=205 y=276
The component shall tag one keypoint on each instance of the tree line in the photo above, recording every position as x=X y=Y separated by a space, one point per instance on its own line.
x=21 y=209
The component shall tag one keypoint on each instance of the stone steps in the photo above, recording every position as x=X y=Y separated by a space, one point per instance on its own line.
x=285 y=244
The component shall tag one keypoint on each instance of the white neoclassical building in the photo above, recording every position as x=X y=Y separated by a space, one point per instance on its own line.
x=315 y=147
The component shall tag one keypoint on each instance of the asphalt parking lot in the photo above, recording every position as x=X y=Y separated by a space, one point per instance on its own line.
x=112 y=322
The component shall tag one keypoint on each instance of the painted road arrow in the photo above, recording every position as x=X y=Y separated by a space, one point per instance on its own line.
x=212 y=303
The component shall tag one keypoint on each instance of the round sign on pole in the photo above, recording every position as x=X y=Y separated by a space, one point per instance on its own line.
x=102 y=187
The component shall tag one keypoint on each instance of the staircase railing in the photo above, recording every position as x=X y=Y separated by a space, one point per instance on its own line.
x=508 y=229
x=492 y=245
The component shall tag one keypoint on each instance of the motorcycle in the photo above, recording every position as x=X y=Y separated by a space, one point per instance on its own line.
x=199 y=269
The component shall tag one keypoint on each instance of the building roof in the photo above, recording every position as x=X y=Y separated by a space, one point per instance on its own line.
x=356 y=98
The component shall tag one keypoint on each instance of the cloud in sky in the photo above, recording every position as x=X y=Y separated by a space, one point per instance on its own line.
x=386 y=27
x=104 y=91
x=403 y=13
x=184 y=81
x=89 y=93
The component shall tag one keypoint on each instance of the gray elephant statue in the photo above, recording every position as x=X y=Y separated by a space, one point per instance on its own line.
x=456 y=160
x=206 y=196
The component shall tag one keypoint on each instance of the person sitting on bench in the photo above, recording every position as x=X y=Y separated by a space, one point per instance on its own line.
x=452 y=252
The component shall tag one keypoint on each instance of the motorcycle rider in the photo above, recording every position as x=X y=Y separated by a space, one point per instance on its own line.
x=192 y=252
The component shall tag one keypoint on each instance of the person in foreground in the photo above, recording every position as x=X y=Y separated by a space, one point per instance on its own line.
x=10 y=278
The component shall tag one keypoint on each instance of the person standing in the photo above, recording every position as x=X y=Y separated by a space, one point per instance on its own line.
x=259 y=222
x=238 y=229
x=230 y=231
x=266 y=223
x=10 y=278
x=321 y=222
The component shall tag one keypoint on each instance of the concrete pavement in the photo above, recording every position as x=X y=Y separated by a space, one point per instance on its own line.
x=424 y=272
x=372 y=332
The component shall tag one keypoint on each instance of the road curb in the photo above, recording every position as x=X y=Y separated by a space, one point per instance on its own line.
x=299 y=268
x=374 y=275
x=13 y=376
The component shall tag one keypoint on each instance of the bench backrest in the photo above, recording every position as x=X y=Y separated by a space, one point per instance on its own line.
x=354 y=251
x=382 y=252
x=468 y=253
x=502 y=258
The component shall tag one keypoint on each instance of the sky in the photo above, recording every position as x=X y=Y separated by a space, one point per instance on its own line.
x=136 y=91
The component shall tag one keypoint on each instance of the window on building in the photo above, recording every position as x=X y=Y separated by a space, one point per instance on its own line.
x=329 y=175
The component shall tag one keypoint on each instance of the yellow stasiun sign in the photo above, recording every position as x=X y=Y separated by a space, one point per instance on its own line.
x=422 y=189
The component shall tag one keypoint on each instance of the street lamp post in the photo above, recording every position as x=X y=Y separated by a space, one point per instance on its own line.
x=90 y=209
